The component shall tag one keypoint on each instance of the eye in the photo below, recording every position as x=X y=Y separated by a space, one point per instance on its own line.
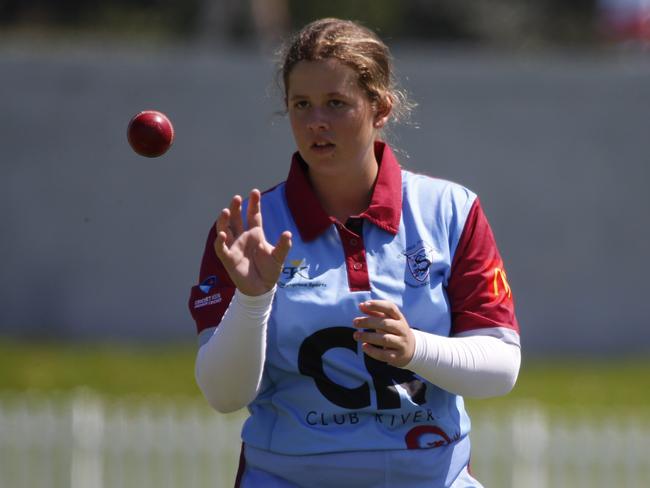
x=301 y=104
x=336 y=103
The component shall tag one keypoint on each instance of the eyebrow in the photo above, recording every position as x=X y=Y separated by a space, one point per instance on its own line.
x=330 y=94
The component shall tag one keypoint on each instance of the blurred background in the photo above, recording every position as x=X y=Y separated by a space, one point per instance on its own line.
x=541 y=107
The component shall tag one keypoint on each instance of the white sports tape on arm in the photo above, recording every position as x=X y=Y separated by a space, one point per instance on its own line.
x=477 y=366
x=229 y=366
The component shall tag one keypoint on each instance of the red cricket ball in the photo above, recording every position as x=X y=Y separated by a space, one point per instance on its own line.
x=150 y=133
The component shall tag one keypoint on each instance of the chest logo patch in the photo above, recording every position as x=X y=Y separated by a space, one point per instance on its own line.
x=419 y=258
x=296 y=275
x=297 y=267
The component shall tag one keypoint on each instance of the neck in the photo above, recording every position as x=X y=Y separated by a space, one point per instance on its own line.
x=344 y=196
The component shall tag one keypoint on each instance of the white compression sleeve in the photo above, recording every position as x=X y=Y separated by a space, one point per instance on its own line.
x=229 y=365
x=473 y=366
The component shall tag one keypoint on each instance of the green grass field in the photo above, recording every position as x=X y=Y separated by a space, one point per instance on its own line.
x=566 y=384
x=610 y=397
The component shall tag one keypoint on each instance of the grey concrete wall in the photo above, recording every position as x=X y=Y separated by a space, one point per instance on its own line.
x=98 y=243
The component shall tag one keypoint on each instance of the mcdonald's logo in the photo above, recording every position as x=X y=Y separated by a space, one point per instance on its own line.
x=500 y=275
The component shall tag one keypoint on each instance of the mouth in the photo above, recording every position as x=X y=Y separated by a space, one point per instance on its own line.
x=322 y=146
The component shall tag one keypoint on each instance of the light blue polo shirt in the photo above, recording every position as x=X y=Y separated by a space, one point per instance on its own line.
x=320 y=393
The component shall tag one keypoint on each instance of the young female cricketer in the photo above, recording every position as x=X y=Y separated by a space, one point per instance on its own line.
x=353 y=306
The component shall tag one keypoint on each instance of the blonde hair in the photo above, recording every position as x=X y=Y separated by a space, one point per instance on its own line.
x=356 y=46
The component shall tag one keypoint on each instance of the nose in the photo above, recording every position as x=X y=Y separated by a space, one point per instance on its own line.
x=317 y=121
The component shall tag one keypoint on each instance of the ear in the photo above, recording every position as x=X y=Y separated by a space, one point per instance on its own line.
x=383 y=109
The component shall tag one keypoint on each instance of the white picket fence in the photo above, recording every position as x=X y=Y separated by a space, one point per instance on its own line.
x=86 y=441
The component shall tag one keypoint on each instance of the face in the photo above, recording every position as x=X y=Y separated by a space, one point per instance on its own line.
x=333 y=121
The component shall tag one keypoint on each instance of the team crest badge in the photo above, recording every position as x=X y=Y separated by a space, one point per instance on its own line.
x=419 y=259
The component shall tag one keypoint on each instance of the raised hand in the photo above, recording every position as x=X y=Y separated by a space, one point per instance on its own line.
x=252 y=263
x=390 y=338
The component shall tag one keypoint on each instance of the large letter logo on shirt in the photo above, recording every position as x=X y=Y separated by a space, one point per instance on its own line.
x=384 y=376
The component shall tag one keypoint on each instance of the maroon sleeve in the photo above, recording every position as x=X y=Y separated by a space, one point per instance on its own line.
x=211 y=297
x=478 y=290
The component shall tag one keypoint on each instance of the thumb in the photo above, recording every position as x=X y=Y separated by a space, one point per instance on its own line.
x=281 y=249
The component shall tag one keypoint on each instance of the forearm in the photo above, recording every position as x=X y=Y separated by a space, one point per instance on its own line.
x=473 y=366
x=230 y=364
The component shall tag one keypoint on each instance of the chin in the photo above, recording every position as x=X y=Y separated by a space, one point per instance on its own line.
x=314 y=158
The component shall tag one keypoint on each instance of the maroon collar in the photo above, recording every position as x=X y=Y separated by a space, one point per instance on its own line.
x=385 y=205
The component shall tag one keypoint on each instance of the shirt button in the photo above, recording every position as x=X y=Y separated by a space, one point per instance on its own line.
x=357 y=266
x=353 y=242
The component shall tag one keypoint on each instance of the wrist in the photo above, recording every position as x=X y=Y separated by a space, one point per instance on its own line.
x=253 y=291
x=255 y=299
x=424 y=349
x=412 y=344
x=256 y=308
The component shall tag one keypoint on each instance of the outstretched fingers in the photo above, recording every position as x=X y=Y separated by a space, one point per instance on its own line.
x=254 y=210
x=223 y=226
x=221 y=247
x=236 y=224
x=228 y=227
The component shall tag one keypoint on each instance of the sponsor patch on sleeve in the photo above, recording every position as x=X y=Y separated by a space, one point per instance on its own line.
x=209 y=300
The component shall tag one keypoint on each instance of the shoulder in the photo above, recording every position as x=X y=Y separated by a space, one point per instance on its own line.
x=447 y=198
